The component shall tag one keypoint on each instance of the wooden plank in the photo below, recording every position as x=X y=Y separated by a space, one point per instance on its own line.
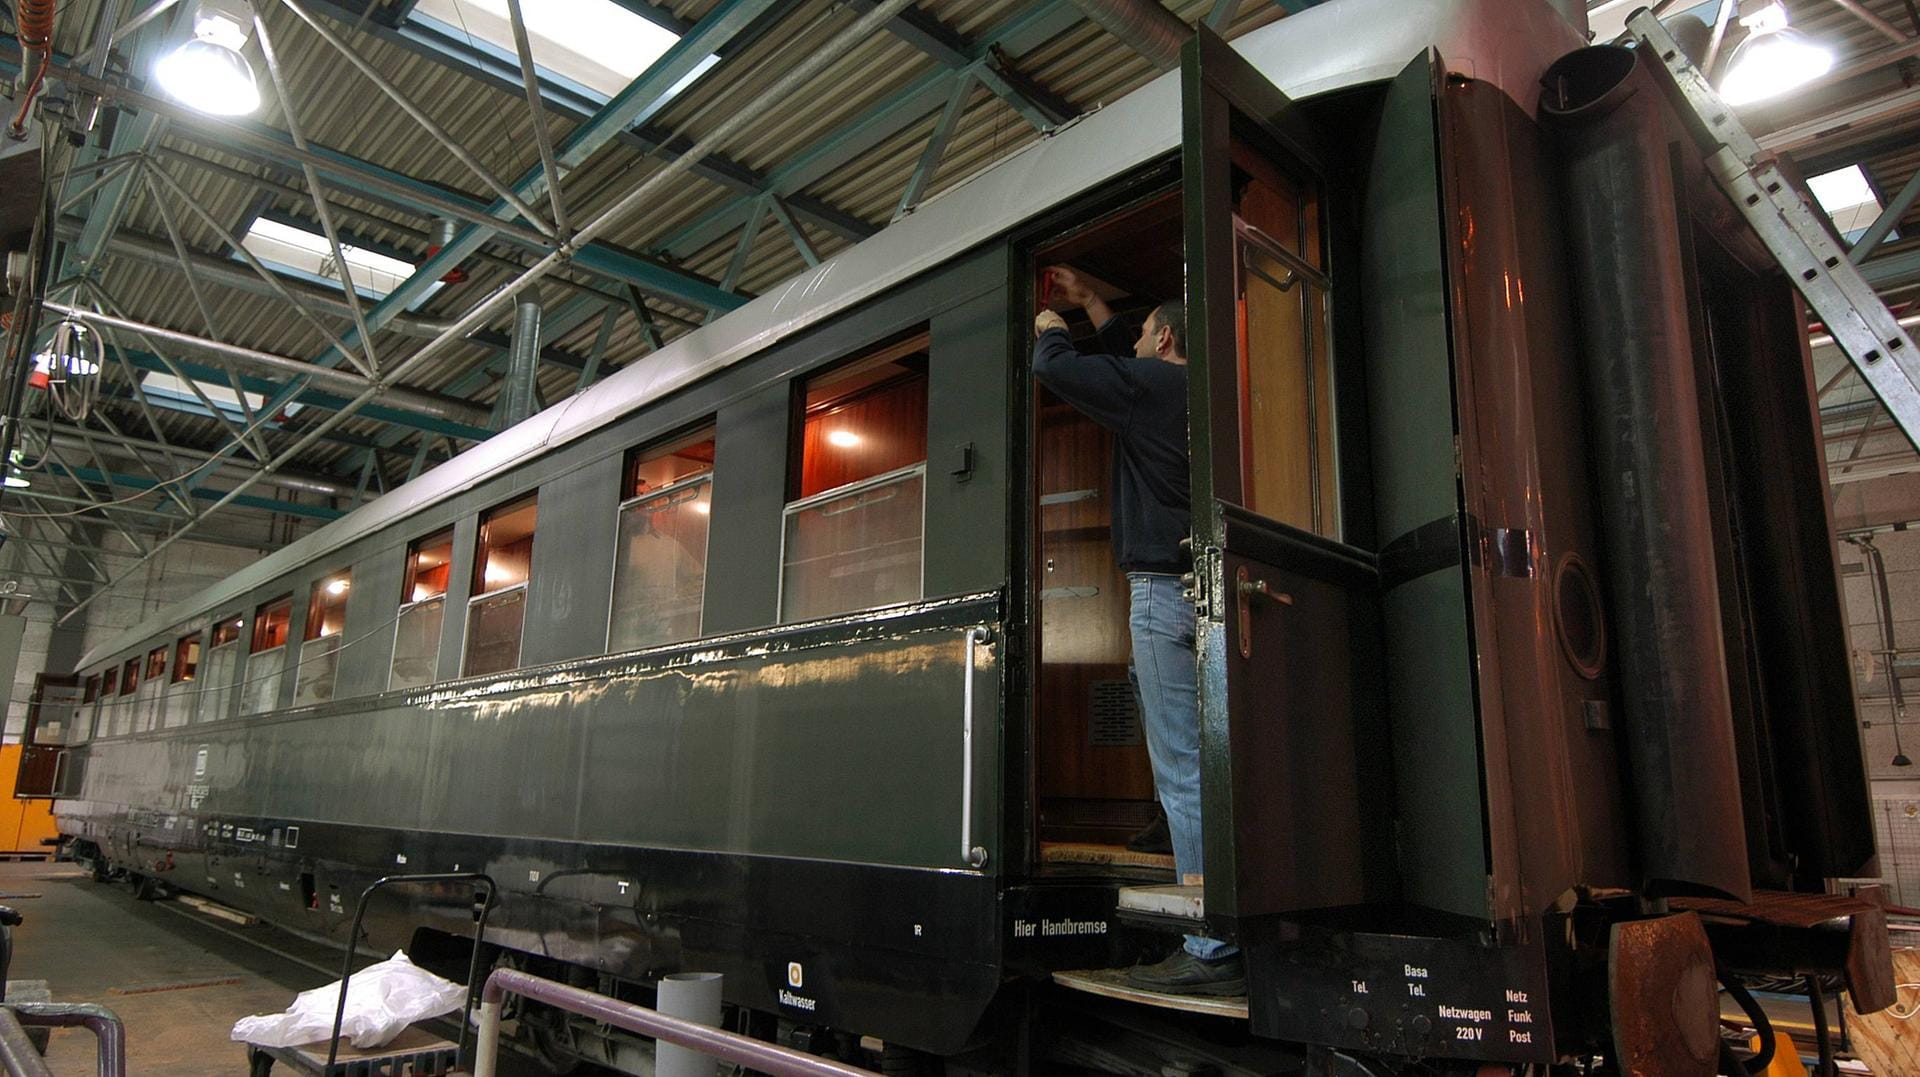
x=1882 y=1040
x=217 y=911
x=1070 y=852
x=1112 y=983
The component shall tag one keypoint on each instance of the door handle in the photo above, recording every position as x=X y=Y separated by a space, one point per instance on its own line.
x=1246 y=592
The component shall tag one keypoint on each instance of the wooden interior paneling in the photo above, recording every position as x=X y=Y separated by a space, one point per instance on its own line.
x=1083 y=615
x=889 y=423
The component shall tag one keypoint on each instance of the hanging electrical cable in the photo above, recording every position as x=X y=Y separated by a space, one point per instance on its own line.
x=35 y=22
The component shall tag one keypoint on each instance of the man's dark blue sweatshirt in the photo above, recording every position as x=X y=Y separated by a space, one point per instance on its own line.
x=1144 y=403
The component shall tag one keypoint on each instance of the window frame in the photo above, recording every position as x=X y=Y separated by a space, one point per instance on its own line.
x=630 y=461
x=619 y=519
x=173 y=674
x=316 y=619
x=848 y=490
x=254 y=652
x=235 y=676
x=477 y=574
x=408 y=603
x=916 y=340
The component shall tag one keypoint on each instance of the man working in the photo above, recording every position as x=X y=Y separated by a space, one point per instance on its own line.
x=1141 y=396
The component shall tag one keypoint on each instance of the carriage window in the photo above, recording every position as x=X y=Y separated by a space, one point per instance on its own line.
x=186 y=658
x=177 y=708
x=267 y=657
x=497 y=610
x=105 y=712
x=320 y=649
x=423 y=608
x=1287 y=436
x=660 y=569
x=123 y=709
x=153 y=682
x=223 y=654
x=90 y=707
x=853 y=532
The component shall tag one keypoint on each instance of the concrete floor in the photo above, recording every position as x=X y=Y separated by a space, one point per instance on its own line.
x=177 y=979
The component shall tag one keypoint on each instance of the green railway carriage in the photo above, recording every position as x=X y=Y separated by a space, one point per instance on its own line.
x=796 y=651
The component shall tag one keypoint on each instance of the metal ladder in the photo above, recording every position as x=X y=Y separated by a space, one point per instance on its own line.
x=1859 y=322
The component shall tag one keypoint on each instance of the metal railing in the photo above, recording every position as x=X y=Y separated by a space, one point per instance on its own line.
x=770 y=1059
x=19 y=1057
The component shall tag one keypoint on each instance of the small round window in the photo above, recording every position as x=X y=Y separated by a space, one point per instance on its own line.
x=1578 y=616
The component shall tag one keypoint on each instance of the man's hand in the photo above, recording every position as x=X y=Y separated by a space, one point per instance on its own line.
x=1075 y=291
x=1048 y=320
x=1072 y=288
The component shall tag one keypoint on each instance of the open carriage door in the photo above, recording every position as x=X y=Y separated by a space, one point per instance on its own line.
x=52 y=713
x=1287 y=608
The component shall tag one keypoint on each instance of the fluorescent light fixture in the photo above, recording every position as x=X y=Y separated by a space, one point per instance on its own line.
x=309 y=255
x=1773 y=59
x=1848 y=199
x=595 y=44
x=845 y=439
x=207 y=72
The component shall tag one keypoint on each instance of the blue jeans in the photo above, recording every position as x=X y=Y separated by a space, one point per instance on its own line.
x=1164 y=671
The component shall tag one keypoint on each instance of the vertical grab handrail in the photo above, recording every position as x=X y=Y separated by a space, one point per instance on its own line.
x=973 y=855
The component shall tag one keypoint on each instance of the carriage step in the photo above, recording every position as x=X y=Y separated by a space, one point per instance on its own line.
x=1166 y=902
x=1112 y=983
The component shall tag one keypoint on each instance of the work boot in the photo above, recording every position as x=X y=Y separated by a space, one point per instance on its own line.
x=1153 y=838
x=1185 y=974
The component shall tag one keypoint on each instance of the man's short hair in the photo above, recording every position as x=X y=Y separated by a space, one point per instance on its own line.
x=1172 y=314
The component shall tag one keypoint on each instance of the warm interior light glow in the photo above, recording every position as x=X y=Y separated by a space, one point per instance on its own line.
x=207 y=72
x=421 y=592
x=338 y=587
x=702 y=507
x=1772 y=60
x=845 y=439
x=495 y=575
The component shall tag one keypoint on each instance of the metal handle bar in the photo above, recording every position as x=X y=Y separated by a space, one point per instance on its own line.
x=726 y=1046
x=353 y=942
x=973 y=855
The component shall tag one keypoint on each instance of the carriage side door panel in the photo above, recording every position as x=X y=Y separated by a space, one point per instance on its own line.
x=1287 y=634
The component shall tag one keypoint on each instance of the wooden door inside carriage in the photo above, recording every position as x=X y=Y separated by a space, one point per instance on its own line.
x=1292 y=784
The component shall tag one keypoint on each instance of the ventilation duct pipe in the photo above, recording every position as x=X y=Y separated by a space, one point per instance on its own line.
x=523 y=362
x=324 y=378
x=1624 y=225
x=1145 y=27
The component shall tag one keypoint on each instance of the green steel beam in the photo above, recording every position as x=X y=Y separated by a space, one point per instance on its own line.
x=912 y=104
x=270 y=504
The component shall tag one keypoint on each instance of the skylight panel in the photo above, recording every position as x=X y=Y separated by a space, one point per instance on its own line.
x=1848 y=199
x=307 y=254
x=168 y=390
x=597 y=44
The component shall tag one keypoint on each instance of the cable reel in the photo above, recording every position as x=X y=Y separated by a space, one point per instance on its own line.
x=69 y=368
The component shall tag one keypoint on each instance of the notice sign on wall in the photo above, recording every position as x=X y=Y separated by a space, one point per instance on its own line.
x=1113 y=715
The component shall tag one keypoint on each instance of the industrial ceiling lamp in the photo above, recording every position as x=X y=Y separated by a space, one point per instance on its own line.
x=1773 y=59
x=207 y=72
